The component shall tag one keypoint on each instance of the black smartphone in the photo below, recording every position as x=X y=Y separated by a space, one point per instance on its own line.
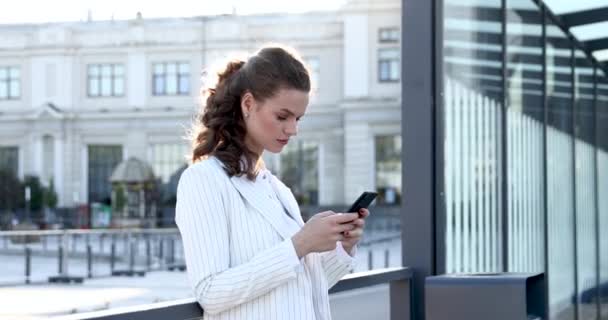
x=364 y=200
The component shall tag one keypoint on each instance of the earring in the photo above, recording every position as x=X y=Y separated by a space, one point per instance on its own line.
x=246 y=115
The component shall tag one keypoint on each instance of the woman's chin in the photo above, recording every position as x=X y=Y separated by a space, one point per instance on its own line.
x=275 y=149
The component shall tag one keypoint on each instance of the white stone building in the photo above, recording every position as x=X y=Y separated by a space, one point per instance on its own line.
x=77 y=98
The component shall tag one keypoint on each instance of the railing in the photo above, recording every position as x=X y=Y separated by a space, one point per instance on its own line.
x=81 y=254
x=118 y=251
x=188 y=309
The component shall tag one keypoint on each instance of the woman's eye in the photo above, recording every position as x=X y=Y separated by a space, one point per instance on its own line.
x=282 y=118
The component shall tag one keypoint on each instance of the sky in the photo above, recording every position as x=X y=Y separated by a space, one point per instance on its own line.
x=40 y=11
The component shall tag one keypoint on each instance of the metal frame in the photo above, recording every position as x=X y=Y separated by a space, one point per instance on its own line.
x=574 y=202
x=595 y=189
x=504 y=140
x=422 y=228
x=579 y=18
x=189 y=309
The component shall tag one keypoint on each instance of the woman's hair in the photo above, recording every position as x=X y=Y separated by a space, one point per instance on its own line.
x=219 y=129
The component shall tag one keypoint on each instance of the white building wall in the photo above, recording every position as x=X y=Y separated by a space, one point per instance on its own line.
x=345 y=45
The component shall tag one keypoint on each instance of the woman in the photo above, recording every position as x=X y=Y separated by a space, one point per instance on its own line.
x=248 y=252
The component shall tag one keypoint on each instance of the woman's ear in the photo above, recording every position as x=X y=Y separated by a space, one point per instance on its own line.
x=247 y=103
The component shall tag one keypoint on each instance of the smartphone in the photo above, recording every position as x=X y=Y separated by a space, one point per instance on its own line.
x=364 y=200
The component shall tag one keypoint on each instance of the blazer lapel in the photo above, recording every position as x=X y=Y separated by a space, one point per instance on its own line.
x=287 y=199
x=260 y=202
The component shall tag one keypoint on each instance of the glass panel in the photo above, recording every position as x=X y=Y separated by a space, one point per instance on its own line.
x=3 y=89
x=184 y=84
x=159 y=68
x=560 y=191
x=472 y=145
x=388 y=169
x=525 y=128
x=93 y=87
x=15 y=73
x=184 y=68
x=119 y=86
x=585 y=188
x=159 y=85
x=15 y=89
x=106 y=86
x=3 y=73
x=102 y=161
x=602 y=174
x=9 y=159
x=93 y=70
x=171 y=68
x=298 y=171
x=171 y=84
x=119 y=70
x=106 y=70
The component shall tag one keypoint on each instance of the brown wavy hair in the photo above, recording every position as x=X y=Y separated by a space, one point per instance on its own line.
x=219 y=128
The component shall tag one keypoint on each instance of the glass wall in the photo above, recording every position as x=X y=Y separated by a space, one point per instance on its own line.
x=517 y=57
x=560 y=175
x=585 y=170
x=525 y=125
x=472 y=124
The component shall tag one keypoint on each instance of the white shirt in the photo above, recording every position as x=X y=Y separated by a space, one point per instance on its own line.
x=240 y=258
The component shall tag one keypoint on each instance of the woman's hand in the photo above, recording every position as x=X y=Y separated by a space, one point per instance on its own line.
x=351 y=238
x=322 y=232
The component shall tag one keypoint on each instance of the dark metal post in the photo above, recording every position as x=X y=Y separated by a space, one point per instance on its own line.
x=171 y=251
x=112 y=256
x=386 y=258
x=28 y=264
x=422 y=220
x=148 y=253
x=89 y=261
x=370 y=259
x=60 y=259
x=131 y=256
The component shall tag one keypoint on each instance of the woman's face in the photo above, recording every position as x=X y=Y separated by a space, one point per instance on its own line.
x=272 y=122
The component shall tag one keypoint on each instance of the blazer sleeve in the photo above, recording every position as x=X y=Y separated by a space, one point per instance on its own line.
x=202 y=221
x=337 y=263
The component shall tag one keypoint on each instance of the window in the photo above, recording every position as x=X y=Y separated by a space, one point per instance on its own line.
x=313 y=64
x=388 y=169
x=299 y=170
x=388 y=65
x=106 y=80
x=171 y=78
x=10 y=83
x=168 y=161
x=388 y=35
x=167 y=158
x=103 y=159
x=9 y=159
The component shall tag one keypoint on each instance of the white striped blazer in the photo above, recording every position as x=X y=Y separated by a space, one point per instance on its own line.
x=239 y=255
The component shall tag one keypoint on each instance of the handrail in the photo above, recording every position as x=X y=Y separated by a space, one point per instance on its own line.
x=12 y=233
x=189 y=309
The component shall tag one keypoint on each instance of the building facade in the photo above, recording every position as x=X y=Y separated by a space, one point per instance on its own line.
x=78 y=98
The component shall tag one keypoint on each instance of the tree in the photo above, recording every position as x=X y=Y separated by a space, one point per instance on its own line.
x=50 y=196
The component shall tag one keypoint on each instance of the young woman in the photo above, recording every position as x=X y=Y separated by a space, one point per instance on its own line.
x=248 y=252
